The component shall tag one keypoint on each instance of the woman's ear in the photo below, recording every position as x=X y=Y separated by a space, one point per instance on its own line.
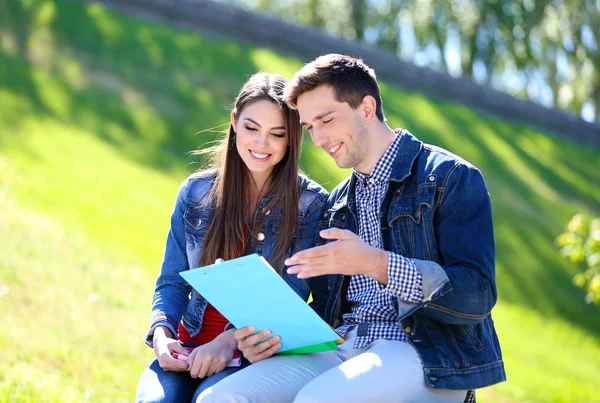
x=232 y=121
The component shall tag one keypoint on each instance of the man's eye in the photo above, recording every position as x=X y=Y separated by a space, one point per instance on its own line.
x=327 y=121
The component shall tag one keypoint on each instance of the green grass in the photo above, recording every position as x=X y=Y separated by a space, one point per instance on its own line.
x=97 y=114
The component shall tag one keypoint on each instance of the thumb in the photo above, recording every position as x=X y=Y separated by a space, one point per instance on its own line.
x=336 y=233
x=178 y=348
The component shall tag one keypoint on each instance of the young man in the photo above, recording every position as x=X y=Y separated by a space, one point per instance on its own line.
x=411 y=271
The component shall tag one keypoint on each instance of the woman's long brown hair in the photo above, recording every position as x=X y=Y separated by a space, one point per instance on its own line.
x=232 y=189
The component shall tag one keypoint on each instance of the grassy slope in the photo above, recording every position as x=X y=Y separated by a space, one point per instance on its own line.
x=97 y=112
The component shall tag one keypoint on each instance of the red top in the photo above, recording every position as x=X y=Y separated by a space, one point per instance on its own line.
x=213 y=323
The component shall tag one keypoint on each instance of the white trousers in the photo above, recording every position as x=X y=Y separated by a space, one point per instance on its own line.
x=384 y=371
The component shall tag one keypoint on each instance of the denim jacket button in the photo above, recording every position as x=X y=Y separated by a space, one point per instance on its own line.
x=260 y=236
x=431 y=178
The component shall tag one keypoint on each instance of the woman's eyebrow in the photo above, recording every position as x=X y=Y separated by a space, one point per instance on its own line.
x=257 y=124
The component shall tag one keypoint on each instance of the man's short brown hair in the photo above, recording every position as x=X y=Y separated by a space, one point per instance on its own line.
x=350 y=78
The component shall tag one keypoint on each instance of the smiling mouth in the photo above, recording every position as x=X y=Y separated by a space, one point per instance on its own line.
x=333 y=150
x=259 y=156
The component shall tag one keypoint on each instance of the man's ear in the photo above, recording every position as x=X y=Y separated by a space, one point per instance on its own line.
x=368 y=107
x=232 y=121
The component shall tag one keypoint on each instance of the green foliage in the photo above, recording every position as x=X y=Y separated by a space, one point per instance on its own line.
x=581 y=244
x=544 y=47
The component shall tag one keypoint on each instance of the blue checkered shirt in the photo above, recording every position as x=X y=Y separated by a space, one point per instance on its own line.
x=372 y=302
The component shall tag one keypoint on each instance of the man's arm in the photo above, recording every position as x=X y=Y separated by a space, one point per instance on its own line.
x=462 y=290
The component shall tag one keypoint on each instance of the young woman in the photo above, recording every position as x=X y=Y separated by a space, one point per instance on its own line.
x=252 y=201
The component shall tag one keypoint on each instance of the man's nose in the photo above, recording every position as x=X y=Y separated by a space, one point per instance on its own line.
x=318 y=138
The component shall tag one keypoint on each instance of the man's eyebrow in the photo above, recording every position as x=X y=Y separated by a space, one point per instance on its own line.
x=321 y=116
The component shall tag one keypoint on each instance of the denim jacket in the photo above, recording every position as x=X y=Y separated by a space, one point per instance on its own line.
x=437 y=211
x=174 y=299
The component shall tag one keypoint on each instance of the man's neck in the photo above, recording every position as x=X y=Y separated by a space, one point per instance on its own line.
x=379 y=139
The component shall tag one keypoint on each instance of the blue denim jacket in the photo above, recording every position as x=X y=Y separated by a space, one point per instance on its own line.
x=174 y=299
x=437 y=211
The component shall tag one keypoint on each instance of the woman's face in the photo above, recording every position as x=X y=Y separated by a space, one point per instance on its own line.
x=261 y=138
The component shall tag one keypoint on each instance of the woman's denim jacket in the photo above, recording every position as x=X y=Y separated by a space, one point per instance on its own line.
x=174 y=299
x=437 y=211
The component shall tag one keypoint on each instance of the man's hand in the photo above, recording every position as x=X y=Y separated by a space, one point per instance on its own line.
x=349 y=255
x=249 y=344
x=213 y=357
x=164 y=345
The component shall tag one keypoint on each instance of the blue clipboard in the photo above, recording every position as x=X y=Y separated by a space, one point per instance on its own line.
x=249 y=292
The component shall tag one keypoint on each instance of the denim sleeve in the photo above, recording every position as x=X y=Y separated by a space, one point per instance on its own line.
x=171 y=293
x=465 y=237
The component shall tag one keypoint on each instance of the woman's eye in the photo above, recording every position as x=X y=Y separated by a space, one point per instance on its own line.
x=327 y=121
x=252 y=129
x=280 y=135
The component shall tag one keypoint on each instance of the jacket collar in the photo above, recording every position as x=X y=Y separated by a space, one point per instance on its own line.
x=410 y=147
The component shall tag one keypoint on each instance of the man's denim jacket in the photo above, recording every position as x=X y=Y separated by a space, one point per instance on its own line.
x=437 y=211
x=174 y=299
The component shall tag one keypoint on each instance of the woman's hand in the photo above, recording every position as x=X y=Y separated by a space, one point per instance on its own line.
x=248 y=344
x=164 y=345
x=213 y=357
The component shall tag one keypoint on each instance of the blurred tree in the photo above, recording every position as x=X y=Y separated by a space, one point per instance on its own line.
x=581 y=244
x=543 y=50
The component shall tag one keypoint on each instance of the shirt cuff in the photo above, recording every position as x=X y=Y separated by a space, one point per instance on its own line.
x=404 y=280
x=156 y=322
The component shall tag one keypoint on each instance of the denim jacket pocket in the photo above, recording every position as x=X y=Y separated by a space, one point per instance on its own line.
x=196 y=224
x=411 y=221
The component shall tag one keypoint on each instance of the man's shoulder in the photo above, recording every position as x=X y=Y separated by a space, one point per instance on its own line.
x=436 y=153
x=435 y=163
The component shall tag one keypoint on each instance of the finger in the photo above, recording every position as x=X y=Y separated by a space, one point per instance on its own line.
x=169 y=363
x=266 y=353
x=195 y=365
x=315 y=271
x=250 y=341
x=214 y=365
x=244 y=332
x=205 y=368
x=220 y=367
x=305 y=255
x=265 y=345
x=337 y=233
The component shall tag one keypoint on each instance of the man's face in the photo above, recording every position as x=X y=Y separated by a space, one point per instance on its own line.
x=334 y=126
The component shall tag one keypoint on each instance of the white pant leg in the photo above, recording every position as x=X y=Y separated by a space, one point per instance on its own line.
x=276 y=379
x=384 y=371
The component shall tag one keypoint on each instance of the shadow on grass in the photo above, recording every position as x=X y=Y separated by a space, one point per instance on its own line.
x=147 y=89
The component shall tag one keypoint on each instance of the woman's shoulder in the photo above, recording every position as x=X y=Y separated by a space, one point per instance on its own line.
x=308 y=185
x=312 y=194
x=196 y=186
